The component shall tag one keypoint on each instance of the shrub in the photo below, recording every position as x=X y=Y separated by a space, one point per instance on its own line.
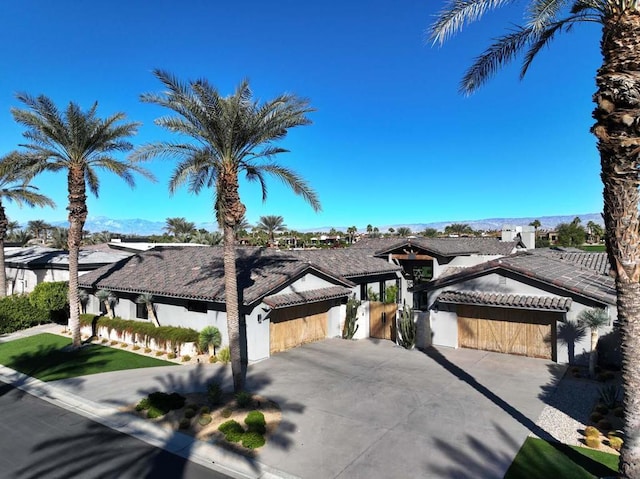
x=205 y=410
x=113 y=343
x=189 y=413
x=214 y=393
x=159 y=353
x=50 y=296
x=143 y=405
x=104 y=340
x=616 y=442
x=593 y=442
x=225 y=355
x=609 y=375
x=123 y=345
x=184 y=423
x=213 y=359
x=350 y=323
x=153 y=412
x=611 y=434
x=252 y=440
x=171 y=355
x=407 y=328
x=255 y=422
x=591 y=431
x=609 y=395
x=244 y=399
x=163 y=402
x=390 y=294
x=209 y=339
x=232 y=430
x=135 y=347
x=204 y=419
x=602 y=377
x=226 y=412
x=595 y=417
x=186 y=358
x=618 y=412
x=147 y=350
x=604 y=425
x=16 y=313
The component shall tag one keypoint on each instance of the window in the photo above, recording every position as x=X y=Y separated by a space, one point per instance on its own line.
x=197 y=306
x=141 y=311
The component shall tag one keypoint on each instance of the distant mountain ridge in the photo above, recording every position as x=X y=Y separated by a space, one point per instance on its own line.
x=142 y=227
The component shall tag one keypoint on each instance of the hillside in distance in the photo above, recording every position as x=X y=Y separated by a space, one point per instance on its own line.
x=142 y=227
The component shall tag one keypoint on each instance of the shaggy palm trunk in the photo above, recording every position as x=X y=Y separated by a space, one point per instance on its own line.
x=593 y=355
x=152 y=315
x=4 y=224
x=617 y=115
x=77 y=216
x=230 y=211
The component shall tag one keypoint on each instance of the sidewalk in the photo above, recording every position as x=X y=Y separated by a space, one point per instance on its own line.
x=99 y=397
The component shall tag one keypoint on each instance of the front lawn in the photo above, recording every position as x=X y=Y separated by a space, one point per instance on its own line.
x=42 y=357
x=538 y=459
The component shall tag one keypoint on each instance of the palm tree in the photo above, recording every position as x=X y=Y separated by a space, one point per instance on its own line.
x=147 y=300
x=37 y=227
x=536 y=224
x=271 y=224
x=22 y=237
x=179 y=227
x=14 y=187
x=242 y=225
x=403 y=232
x=209 y=339
x=616 y=131
x=78 y=142
x=460 y=229
x=12 y=226
x=210 y=239
x=60 y=238
x=108 y=298
x=232 y=134
x=593 y=319
x=351 y=231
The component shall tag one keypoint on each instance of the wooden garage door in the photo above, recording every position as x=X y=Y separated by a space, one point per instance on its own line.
x=291 y=327
x=511 y=331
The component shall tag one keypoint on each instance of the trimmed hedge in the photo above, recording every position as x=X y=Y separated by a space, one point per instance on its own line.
x=162 y=335
x=17 y=312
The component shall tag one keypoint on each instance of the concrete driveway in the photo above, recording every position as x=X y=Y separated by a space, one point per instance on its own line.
x=369 y=409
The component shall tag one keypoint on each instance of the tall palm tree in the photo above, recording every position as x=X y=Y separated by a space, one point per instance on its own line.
x=38 y=227
x=233 y=134
x=14 y=187
x=22 y=237
x=60 y=238
x=179 y=227
x=80 y=143
x=404 y=231
x=271 y=224
x=536 y=224
x=12 y=226
x=616 y=128
x=594 y=319
x=351 y=231
x=242 y=225
x=148 y=299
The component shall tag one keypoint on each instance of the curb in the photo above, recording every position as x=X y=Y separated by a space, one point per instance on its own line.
x=175 y=442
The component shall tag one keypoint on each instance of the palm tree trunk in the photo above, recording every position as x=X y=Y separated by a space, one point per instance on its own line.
x=77 y=216
x=616 y=113
x=4 y=223
x=152 y=315
x=593 y=355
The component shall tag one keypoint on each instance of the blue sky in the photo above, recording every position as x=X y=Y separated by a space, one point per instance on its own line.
x=392 y=140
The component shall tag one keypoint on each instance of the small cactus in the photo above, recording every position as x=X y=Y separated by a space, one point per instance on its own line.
x=350 y=323
x=407 y=328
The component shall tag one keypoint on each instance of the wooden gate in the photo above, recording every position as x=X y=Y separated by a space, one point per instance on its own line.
x=382 y=320
x=291 y=327
x=511 y=331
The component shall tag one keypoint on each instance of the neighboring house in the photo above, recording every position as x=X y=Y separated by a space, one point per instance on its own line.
x=523 y=304
x=27 y=267
x=285 y=301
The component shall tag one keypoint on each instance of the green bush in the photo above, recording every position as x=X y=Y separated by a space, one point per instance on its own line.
x=593 y=442
x=147 y=350
x=161 y=403
x=159 y=353
x=205 y=410
x=232 y=430
x=224 y=355
x=209 y=337
x=189 y=413
x=184 y=423
x=255 y=422
x=204 y=419
x=17 y=312
x=186 y=358
x=135 y=347
x=591 y=431
x=171 y=355
x=143 y=405
x=226 y=412
x=213 y=359
x=50 y=296
x=154 y=412
x=252 y=440
x=616 y=443
x=244 y=399
x=214 y=393
x=618 y=412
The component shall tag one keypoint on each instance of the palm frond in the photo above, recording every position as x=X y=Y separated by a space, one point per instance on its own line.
x=542 y=13
x=459 y=13
x=295 y=182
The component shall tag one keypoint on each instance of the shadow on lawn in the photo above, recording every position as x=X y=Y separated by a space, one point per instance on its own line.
x=477 y=462
x=113 y=457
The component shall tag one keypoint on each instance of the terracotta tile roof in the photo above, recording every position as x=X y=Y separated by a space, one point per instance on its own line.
x=40 y=257
x=302 y=297
x=198 y=273
x=454 y=246
x=548 y=303
x=347 y=263
x=542 y=268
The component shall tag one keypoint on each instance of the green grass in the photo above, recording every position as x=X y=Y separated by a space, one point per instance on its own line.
x=594 y=247
x=42 y=356
x=538 y=459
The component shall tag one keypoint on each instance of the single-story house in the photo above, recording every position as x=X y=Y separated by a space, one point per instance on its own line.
x=27 y=267
x=285 y=301
x=525 y=304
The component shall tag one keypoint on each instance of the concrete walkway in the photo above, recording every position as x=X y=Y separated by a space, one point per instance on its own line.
x=350 y=409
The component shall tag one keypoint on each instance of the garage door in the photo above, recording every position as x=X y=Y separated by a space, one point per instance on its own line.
x=296 y=325
x=511 y=331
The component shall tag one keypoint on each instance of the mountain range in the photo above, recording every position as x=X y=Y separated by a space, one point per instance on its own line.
x=143 y=227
